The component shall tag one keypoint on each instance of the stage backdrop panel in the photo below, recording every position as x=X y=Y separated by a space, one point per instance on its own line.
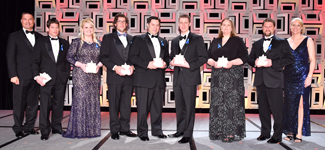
x=206 y=16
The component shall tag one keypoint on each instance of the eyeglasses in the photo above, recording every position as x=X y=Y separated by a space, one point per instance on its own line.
x=119 y=21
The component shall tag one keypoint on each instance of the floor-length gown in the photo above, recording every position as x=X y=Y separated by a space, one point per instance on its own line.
x=227 y=107
x=84 y=121
x=294 y=78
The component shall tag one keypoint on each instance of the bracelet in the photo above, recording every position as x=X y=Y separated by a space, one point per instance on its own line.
x=310 y=76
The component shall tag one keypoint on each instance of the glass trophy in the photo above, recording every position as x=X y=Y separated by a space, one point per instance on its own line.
x=222 y=61
x=262 y=61
x=91 y=67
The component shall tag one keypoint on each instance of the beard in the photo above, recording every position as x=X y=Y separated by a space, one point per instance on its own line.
x=267 y=34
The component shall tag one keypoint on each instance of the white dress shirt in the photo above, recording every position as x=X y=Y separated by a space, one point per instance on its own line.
x=182 y=42
x=266 y=44
x=30 y=37
x=156 y=45
x=123 y=39
x=55 y=47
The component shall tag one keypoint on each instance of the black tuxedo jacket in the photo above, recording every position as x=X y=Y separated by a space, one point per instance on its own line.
x=195 y=53
x=141 y=53
x=280 y=54
x=19 y=55
x=111 y=54
x=44 y=61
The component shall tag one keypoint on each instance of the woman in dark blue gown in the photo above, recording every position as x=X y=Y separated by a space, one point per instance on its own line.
x=297 y=80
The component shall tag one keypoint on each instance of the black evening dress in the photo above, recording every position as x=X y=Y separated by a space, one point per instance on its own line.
x=84 y=121
x=227 y=107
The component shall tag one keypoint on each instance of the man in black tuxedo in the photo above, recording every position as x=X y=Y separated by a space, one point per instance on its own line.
x=149 y=55
x=49 y=56
x=269 y=79
x=186 y=76
x=25 y=89
x=114 y=54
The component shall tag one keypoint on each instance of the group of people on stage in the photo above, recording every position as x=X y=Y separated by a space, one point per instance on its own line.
x=139 y=63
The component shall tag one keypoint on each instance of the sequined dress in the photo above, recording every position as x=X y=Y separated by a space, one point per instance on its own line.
x=294 y=78
x=84 y=121
x=227 y=106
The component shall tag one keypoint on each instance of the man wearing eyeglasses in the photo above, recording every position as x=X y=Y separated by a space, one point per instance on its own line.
x=114 y=55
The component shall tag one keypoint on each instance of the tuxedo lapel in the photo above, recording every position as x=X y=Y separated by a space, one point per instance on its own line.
x=129 y=39
x=270 y=46
x=184 y=49
x=150 y=46
x=118 y=45
x=162 y=47
x=49 y=50
x=60 y=50
x=177 y=45
x=23 y=35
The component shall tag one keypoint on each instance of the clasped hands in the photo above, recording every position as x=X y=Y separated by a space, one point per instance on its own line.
x=184 y=65
x=151 y=65
x=84 y=66
x=268 y=63
x=214 y=63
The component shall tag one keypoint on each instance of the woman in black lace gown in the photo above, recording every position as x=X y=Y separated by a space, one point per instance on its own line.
x=84 y=121
x=227 y=110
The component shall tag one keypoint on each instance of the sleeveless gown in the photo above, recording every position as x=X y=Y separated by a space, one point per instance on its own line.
x=294 y=78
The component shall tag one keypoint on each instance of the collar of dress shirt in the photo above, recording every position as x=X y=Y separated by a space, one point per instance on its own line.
x=25 y=30
x=151 y=35
x=53 y=37
x=119 y=32
x=188 y=32
x=271 y=36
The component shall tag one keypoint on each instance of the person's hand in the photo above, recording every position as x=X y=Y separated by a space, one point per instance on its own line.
x=82 y=66
x=164 y=65
x=256 y=63
x=131 y=70
x=229 y=65
x=216 y=65
x=308 y=81
x=211 y=62
x=151 y=65
x=118 y=70
x=172 y=62
x=14 y=80
x=268 y=63
x=185 y=64
x=98 y=66
x=40 y=80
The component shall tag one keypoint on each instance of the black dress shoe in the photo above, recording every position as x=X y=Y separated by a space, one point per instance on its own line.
x=43 y=137
x=115 y=136
x=175 y=135
x=19 y=134
x=32 y=132
x=273 y=141
x=58 y=132
x=185 y=140
x=262 y=138
x=144 y=138
x=129 y=134
x=162 y=136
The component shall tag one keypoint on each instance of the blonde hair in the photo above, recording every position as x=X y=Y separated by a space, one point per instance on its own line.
x=300 y=22
x=233 y=31
x=82 y=36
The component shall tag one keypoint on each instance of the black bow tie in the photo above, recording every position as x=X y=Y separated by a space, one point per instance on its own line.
x=154 y=36
x=31 y=32
x=182 y=37
x=54 y=38
x=267 y=39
